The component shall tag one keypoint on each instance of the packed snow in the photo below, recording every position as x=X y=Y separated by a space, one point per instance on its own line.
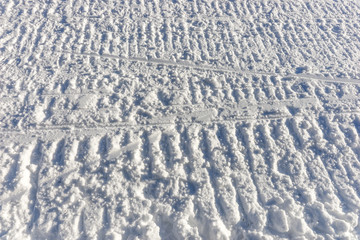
x=182 y=119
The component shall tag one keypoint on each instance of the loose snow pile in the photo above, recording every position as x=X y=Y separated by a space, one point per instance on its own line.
x=179 y=119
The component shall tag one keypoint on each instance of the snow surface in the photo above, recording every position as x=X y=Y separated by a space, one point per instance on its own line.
x=202 y=119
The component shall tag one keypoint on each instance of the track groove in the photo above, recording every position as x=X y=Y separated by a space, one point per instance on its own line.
x=210 y=68
x=179 y=119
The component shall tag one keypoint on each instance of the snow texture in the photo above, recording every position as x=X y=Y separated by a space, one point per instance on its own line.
x=199 y=119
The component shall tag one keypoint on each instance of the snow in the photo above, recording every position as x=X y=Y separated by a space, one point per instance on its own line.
x=179 y=119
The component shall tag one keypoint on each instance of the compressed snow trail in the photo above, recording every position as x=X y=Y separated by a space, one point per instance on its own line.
x=179 y=119
x=217 y=69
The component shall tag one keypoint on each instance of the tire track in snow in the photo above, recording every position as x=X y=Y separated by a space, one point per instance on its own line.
x=216 y=168
x=352 y=153
x=159 y=184
x=334 y=163
x=250 y=214
x=15 y=189
x=316 y=39
x=207 y=216
x=216 y=69
x=258 y=165
x=289 y=163
x=291 y=225
x=243 y=139
x=53 y=132
x=322 y=188
x=37 y=158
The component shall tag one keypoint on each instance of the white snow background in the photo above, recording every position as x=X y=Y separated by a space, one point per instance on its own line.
x=182 y=119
